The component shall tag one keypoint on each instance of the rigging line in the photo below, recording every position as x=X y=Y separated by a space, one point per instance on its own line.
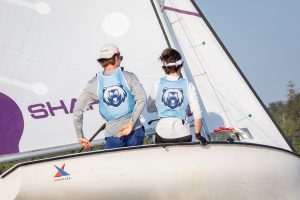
x=235 y=107
x=174 y=22
x=192 y=46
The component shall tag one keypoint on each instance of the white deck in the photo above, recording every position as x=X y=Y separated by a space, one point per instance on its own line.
x=217 y=171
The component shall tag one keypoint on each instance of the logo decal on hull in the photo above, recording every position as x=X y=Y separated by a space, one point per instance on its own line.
x=61 y=174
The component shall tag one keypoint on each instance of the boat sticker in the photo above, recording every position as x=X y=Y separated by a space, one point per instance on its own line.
x=61 y=174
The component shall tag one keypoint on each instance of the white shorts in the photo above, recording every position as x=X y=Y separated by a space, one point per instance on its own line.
x=172 y=128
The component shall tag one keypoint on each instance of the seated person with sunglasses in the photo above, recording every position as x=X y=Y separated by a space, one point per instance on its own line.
x=121 y=97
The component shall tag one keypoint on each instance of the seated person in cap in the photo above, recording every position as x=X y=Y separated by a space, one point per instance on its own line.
x=121 y=97
x=171 y=97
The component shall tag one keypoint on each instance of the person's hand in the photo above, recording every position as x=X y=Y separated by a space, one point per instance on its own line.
x=84 y=143
x=202 y=139
x=125 y=130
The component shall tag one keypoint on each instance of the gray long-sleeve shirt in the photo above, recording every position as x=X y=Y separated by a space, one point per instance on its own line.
x=89 y=95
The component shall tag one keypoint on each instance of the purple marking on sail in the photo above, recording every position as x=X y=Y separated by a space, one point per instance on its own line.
x=11 y=125
x=182 y=11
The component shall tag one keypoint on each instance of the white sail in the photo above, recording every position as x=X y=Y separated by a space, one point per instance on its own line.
x=227 y=98
x=48 y=52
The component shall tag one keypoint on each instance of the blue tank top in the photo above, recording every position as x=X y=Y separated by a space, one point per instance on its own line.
x=115 y=98
x=172 y=98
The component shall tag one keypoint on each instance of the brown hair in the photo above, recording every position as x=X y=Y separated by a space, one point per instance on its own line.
x=109 y=61
x=170 y=55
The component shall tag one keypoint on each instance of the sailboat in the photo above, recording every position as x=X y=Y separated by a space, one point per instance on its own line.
x=47 y=59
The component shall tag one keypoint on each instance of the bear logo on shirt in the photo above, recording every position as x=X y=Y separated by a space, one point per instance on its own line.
x=172 y=97
x=114 y=95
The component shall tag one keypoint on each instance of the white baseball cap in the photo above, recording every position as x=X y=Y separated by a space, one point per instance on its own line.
x=108 y=50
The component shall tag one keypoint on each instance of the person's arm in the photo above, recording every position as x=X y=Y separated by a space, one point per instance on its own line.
x=194 y=102
x=198 y=125
x=88 y=95
x=140 y=98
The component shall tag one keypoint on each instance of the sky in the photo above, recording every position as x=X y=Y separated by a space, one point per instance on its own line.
x=263 y=38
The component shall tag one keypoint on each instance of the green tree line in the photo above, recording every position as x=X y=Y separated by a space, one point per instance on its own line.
x=287 y=115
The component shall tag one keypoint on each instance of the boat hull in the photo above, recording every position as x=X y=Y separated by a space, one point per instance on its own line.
x=217 y=171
